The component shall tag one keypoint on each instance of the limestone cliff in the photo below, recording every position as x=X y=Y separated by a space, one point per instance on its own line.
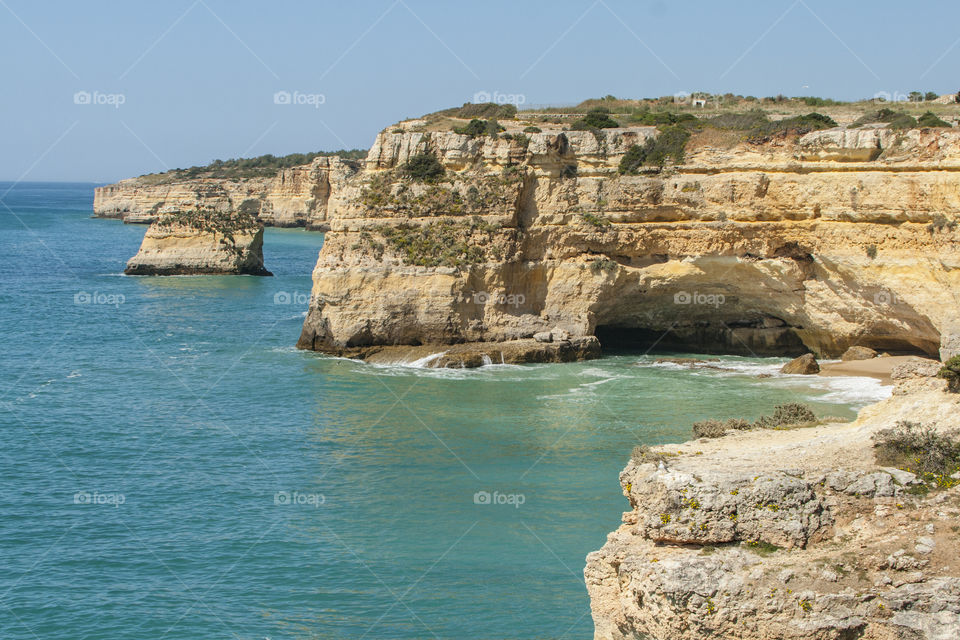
x=789 y=534
x=293 y=197
x=201 y=241
x=814 y=242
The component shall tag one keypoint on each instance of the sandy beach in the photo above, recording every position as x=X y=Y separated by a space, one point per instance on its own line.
x=879 y=368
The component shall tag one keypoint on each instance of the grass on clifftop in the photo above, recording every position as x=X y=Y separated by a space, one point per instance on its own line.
x=264 y=166
x=209 y=220
x=791 y=415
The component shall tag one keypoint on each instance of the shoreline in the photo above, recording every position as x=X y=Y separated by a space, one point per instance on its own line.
x=879 y=368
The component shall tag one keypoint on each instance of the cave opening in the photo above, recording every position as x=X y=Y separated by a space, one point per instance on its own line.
x=716 y=339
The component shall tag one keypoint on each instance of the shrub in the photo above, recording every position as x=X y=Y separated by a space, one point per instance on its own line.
x=931 y=455
x=903 y=121
x=595 y=119
x=798 y=125
x=930 y=119
x=717 y=428
x=478 y=127
x=642 y=453
x=787 y=415
x=481 y=110
x=424 y=167
x=532 y=129
x=819 y=102
x=951 y=371
x=659 y=118
x=441 y=243
x=708 y=429
x=871 y=251
x=599 y=265
x=595 y=220
x=939 y=222
x=669 y=145
x=931 y=95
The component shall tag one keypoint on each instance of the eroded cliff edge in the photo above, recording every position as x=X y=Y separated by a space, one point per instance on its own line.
x=813 y=242
x=293 y=197
x=796 y=534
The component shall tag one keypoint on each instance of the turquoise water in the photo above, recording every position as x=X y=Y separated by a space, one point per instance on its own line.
x=173 y=468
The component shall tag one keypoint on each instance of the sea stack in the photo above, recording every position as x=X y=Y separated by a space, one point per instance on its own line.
x=201 y=241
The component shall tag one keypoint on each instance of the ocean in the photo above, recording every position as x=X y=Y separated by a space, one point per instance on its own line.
x=174 y=468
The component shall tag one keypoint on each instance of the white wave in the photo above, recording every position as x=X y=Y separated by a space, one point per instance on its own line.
x=847 y=390
x=424 y=362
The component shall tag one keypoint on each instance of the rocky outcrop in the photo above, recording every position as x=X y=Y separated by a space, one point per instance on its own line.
x=775 y=248
x=200 y=242
x=785 y=535
x=858 y=353
x=293 y=197
x=803 y=365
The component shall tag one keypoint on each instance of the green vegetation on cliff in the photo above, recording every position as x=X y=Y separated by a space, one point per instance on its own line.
x=264 y=166
x=443 y=243
x=209 y=220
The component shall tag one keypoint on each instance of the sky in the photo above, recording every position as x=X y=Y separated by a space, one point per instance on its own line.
x=99 y=91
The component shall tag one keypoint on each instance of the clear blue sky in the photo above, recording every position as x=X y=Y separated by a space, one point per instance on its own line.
x=198 y=77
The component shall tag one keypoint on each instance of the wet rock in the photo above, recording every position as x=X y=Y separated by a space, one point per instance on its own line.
x=804 y=365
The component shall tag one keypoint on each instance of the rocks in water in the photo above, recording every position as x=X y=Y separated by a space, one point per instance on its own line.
x=804 y=365
x=554 y=335
x=199 y=242
x=469 y=355
x=858 y=353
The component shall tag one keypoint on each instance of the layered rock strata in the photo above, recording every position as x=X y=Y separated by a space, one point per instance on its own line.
x=812 y=243
x=294 y=197
x=785 y=535
x=199 y=243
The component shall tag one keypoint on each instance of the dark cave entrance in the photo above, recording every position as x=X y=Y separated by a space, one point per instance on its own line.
x=723 y=339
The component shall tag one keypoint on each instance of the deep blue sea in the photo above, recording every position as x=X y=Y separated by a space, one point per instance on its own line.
x=173 y=468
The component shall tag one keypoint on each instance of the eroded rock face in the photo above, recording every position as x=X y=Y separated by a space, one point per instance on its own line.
x=758 y=249
x=183 y=247
x=294 y=197
x=784 y=534
x=858 y=353
x=804 y=365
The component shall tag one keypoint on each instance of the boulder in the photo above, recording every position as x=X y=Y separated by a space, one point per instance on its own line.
x=858 y=353
x=543 y=336
x=804 y=365
x=949 y=344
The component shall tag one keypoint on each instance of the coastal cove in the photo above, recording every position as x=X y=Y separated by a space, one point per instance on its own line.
x=184 y=458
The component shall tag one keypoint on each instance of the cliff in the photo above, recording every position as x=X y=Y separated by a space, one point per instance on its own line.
x=797 y=242
x=295 y=196
x=787 y=534
x=198 y=242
